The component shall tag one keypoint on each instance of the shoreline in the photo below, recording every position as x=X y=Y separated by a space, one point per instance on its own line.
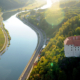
x=41 y=41
x=6 y=36
x=15 y=9
x=6 y=41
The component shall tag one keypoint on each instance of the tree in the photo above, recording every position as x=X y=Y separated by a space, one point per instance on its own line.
x=77 y=30
x=32 y=12
x=74 y=74
x=62 y=76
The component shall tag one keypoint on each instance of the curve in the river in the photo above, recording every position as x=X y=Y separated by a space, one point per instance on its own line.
x=22 y=45
x=41 y=41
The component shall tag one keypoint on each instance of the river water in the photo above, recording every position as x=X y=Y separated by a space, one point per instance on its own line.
x=22 y=45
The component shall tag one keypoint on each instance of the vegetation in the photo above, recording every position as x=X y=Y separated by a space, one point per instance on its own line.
x=23 y=15
x=11 y=4
x=15 y=4
x=2 y=39
x=34 y=5
x=7 y=15
x=59 y=23
x=9 y=38
x=55 y=20
x=30 y=5
x=62 y=68
x=53 y=64
x=3 y=32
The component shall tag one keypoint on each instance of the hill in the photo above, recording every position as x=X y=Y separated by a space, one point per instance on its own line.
x=11 y=4
x=53 y=64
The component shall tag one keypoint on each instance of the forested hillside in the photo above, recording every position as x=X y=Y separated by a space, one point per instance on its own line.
x=11 y=4
x=50 y=20
x=53 y=64
x=62 y=68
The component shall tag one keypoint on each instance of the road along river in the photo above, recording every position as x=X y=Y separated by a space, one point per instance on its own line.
x=41 y=42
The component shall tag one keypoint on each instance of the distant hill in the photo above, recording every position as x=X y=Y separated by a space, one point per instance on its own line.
x=11 y=4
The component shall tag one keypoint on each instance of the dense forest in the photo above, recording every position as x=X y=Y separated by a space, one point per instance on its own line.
x=53 y=64
x=63 y=68
x=12 y=4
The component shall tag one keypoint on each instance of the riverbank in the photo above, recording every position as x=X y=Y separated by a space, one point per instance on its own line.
x=28 y=7
x=6 y=36
x=5 y=43
x=7 y=40
x=41 y=41
x=8 y=13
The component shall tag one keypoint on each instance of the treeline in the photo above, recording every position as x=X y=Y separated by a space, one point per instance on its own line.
x=12 y=4
x=70 y=3
x=39 y=20
x=2 y=39
x=53 y=64
x=9 y=38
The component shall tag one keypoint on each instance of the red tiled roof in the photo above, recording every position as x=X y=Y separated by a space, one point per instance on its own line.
x=73 y=40
x=77 y=43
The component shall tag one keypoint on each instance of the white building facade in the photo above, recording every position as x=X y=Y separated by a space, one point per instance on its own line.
x=72 y=46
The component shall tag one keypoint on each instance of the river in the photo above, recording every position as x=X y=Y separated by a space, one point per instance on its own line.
x=22 y=45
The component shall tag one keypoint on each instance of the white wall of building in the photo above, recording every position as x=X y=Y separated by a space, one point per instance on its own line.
x=72 y=51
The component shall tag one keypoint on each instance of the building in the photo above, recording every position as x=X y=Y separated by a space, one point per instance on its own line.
x=72 y=46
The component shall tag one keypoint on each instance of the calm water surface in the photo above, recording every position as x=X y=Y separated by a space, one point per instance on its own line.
x=23 y=43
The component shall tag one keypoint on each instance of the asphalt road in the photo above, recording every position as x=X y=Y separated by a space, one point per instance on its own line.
x=41 y=42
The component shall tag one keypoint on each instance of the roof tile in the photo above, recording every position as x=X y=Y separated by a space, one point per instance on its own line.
x=73 y=40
